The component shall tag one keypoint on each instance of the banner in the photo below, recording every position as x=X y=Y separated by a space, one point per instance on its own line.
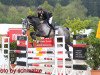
x=98 y=31
x=79 y=52
x=13 y=33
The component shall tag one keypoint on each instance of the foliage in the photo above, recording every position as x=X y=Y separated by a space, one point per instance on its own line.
x=93 y=50
x=23 y=11
x=31 y=30
x=32 y=2
x=30 y=12
x=94 y=21
x=13 y=10
x=13 y=15
x=76 y=24
x=46 y=6
x=3 y=13
x=58 y=12
x=18 y=2
x=13 y=45
x=75 y=9
x=91 y=5
x=64 y=2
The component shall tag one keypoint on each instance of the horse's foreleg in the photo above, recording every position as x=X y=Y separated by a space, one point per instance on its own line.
x=39 y=35
x=23 y=31
x=33 y=35
x=68 y=42
x=67 y=48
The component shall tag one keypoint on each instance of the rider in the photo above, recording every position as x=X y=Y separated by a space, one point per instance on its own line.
x=45 y=15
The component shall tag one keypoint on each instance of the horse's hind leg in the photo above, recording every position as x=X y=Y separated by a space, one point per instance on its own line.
x=67 y=48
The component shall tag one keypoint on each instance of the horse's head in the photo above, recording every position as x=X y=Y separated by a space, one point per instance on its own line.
x=34 y=21
x=25 y=25
x=30 y=20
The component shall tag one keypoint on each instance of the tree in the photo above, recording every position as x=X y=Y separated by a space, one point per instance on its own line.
x=64 y=2
x=94 y=21
x=75 y=10
x=52 y=2
x=93 y=50
x=76 y=24
x=12 y=15
x=22 y=11
x=38 y=2
x=58 y=12
x=93 y=7
x=30 y=12
x=47 y=6
x=3 y=13
x=18 y=2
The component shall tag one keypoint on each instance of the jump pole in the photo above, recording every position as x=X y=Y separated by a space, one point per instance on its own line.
x=6 y=51
x=57 y=43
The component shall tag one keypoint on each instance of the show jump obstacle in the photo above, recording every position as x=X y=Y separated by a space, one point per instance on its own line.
x=6 y=51
x=25 y=54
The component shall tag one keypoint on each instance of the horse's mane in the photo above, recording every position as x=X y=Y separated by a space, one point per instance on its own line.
x=31 y=16
x=34 y=21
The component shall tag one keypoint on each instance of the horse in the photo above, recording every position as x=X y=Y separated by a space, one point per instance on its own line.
x=43 y=30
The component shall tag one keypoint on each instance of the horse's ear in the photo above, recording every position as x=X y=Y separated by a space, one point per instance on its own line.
x=29 y=17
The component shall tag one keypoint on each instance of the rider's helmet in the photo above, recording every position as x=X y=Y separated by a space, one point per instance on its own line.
x=39 y=8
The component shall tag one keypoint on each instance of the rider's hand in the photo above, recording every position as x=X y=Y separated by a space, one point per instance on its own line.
x=41 y=21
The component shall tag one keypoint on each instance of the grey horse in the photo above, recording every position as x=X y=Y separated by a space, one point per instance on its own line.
x=43 y=30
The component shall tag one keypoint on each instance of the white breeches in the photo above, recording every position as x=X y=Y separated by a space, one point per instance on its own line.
x=50 y=20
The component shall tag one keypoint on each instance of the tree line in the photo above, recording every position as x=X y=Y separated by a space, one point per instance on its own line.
x=12 y=12
x=91 y=5
x=33 y=2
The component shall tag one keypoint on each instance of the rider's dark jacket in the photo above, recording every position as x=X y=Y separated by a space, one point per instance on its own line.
x=45 y=15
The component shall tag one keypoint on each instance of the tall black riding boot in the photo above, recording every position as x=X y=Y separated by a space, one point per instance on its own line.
x=52 y=26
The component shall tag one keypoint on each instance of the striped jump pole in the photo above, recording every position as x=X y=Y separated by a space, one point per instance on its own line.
x=6 y=51
x=23 y=52
x=42 y=52
x=22 y=46
x=48 y=65
x=59 y=40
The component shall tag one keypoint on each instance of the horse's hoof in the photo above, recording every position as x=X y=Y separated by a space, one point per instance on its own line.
x=68 y=59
